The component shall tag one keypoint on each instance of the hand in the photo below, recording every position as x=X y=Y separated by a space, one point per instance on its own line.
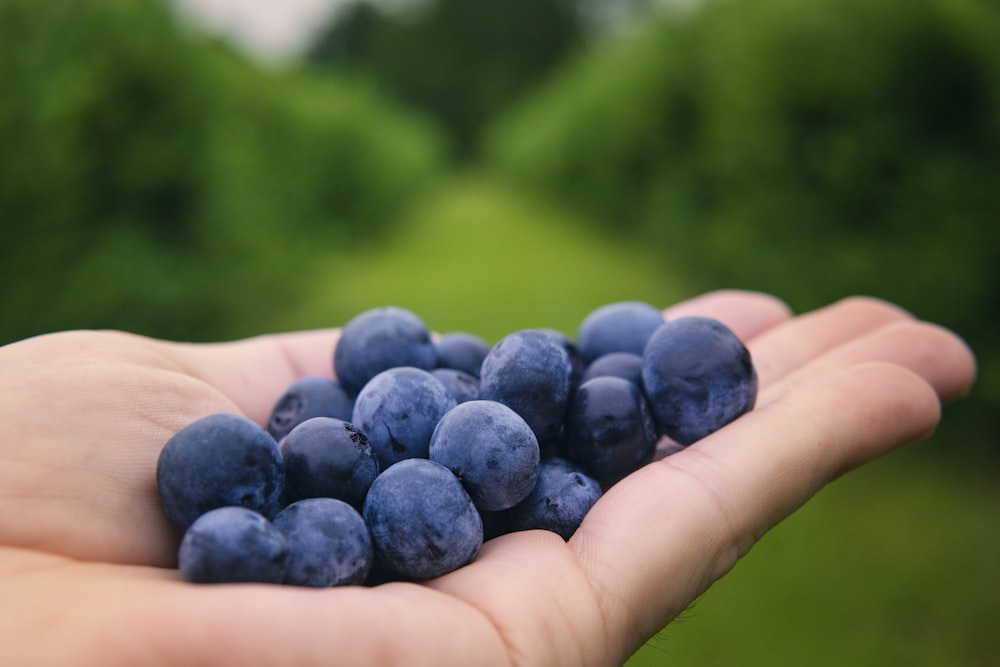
x=86 y=554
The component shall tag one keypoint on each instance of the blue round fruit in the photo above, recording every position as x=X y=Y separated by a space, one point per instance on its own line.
x=576 y=362
x=398 y=410
x=231 y=545
x=698 y=377
x=422 y=521
x=531 y=372
x=461 y=351
x=379 y=339
x=219 y=460
x=617 y=327
x=460 y=385
x=328 y=457
x=305 y=398
x=560 y=500
x=609 y=428
x=328 y=543
x=491 y=449
x=626 y=365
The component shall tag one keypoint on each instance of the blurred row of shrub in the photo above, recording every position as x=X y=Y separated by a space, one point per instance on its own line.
x=460 y=62
x=810 y=149
x=148 y=175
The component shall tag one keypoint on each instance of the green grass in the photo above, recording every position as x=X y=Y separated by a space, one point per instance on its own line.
x=894 y=564
x=476 y=257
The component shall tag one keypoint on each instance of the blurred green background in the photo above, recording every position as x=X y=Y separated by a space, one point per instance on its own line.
x=496 y=165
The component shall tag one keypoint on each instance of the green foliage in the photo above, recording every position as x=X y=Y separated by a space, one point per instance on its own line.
x=156 y=182
x=807 y=149
x=887 y=566
x=461 y=62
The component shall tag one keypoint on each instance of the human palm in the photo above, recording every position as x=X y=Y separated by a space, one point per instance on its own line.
x=87 y=556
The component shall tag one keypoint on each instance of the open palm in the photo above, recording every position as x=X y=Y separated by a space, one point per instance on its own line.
x=87 y=555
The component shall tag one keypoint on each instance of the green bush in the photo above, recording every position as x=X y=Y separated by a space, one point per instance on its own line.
x=154 y=181
x=810 y=149
x=460 y=62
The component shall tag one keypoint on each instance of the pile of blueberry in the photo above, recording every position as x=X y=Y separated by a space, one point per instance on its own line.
x=423 y=447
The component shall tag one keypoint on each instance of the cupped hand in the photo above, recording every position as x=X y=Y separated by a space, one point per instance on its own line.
x=87 y=555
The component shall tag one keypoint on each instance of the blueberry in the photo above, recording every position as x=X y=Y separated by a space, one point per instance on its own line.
x=219 y=460
x=328 y=457
x=531 y=372
x=576 y=362
x=491 y=449
x=461 y=351
x=305 y=398
x=617 y=327
x=560 y=500
x=423 y=523
x=698 y=377
x=233 y=544
x=609 y=428
x=328 y=543
x=627 y=365
x=377 y=340
x=398 y=410
x=460 y=385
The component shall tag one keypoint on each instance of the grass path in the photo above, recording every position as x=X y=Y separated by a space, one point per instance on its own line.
x=476 y=257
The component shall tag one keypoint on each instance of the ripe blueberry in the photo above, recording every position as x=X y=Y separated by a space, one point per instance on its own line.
x=219 y=460
x=398 y=410
x=423 y=523
x=233 y=544
x=328 y=543
x=380 y=339
x=491 y=449
x=698 y=377
x=617 y=327
x=530 y=372
x=305 y=398
x=328 y=457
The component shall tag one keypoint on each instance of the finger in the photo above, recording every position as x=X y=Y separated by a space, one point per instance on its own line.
x=746 y=313
x=661 y=536
x=936 y=354
x=254 y=372
x=785 y=348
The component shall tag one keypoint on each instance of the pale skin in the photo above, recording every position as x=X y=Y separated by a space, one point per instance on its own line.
x=87 y=556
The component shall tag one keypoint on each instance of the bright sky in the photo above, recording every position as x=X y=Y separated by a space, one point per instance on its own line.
x=274 y=29
x=279 y=29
